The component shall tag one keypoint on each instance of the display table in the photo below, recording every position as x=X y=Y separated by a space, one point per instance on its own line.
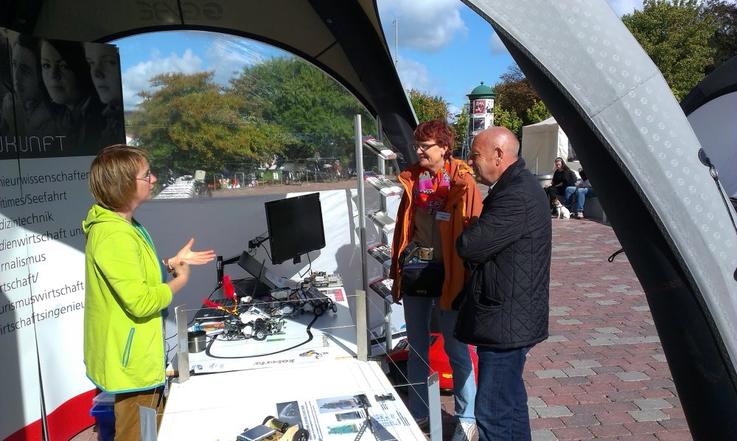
x=320 y=396
x=333 y=337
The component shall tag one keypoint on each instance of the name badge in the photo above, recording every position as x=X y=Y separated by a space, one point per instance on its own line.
x=442 y=216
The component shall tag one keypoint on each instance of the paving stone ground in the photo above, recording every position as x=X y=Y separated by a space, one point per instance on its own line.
x=602 y=373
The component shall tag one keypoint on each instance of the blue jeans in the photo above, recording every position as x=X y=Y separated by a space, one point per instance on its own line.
x=501 y=405
x=417 y=312
x=581 y=194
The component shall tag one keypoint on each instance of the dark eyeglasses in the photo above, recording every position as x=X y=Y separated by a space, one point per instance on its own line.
x=146 y=177
x=424 y=147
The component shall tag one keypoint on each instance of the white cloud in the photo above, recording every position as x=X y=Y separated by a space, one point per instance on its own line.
x=228 y=55
x=621 y=7
x=497 y=47
x=414 y=75
x=137 y=78
x=428 y=25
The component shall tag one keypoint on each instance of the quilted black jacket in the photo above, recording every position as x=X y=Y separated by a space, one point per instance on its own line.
x=505 y=302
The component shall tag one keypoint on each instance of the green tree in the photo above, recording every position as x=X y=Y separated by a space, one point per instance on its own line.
x=507 y=118
x=460 y=127
x=315 y=110
x=515 y=94
x=724 y=40
x=187 y=122
x=675 y=34
x=538 y=112
x=428 y=107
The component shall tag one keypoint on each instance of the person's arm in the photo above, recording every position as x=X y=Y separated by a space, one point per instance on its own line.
x=180 y=277
x=190 y=257
x=118 y=259
x=497 y=227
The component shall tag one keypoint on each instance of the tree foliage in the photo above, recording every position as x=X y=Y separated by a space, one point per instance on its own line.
x=282 y=107
x=428 y=107
x=724 y=40
x=515 y=94
x=188 y=122
x=314 y=109
x=538 y=112
x=460 y=127
x=676 y=35
x=507 y=118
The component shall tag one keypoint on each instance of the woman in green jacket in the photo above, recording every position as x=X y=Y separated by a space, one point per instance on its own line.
x=125 y=292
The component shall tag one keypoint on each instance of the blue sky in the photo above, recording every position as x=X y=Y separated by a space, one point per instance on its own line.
x=444 y=49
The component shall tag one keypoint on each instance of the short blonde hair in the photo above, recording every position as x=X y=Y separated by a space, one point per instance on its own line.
x=113 y=175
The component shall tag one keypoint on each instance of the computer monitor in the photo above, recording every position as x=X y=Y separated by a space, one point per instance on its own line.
x=295 y=227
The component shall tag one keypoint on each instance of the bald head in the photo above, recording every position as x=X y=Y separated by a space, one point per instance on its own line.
x=493 y=151
x=498 y=137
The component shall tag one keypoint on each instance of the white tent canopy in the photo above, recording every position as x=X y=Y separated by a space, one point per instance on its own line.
x=543 y=142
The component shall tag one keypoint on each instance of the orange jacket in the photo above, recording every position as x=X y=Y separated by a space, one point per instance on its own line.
x=464 y=203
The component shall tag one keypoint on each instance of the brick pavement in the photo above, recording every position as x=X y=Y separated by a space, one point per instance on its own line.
x=602 y=373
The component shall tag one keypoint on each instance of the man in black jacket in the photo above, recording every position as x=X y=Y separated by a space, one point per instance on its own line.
x=504 y=309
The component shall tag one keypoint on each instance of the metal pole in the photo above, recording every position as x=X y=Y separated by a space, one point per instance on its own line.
x=433 y=403
x=180 y=316
x=388 y=346
x=361 y=326
x=361 y=220
x=380 y=138
x=396 y=41
x=361 y=202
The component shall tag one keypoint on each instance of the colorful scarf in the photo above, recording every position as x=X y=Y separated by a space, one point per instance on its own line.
x=431 y=191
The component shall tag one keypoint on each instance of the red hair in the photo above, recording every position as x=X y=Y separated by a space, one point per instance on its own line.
x=438 y=130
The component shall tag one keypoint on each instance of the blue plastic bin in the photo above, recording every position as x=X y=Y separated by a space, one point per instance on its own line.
x=104 y=413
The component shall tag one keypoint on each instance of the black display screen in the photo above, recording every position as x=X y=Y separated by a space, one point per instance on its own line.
x=295 y=226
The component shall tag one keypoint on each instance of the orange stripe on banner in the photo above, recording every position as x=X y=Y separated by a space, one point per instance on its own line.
x=65 y=421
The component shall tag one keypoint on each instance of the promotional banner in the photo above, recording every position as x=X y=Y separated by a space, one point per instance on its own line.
x=61 y=103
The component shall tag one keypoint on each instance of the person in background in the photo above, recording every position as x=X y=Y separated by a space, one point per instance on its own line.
x=563 y=177
x=582 y=190
x=33 y=113
x=125 y=292
x=504 y=308
x=67 y=79
x=105 y=73
x=440 y=199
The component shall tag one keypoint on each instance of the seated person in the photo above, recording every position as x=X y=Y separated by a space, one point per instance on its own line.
x=582 y=189
x=563 y=177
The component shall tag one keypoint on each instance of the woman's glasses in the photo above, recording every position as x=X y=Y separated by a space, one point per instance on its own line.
x=424 y=146
x=146 y=177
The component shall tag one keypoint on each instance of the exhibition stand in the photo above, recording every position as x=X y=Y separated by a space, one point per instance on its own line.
x=292 y=352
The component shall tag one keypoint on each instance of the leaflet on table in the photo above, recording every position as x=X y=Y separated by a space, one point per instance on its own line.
x=343 y=417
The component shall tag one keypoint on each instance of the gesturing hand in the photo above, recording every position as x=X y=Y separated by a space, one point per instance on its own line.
x=186 y=255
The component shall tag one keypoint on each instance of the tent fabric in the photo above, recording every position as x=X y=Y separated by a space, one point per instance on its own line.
x=344 y=39
x=711 y=108
x=542 y=142
x=641 y=153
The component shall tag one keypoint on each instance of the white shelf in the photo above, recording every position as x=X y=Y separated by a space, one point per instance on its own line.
x=381 y=252
x=384 y=185
x=382 y=218
x=383 y=287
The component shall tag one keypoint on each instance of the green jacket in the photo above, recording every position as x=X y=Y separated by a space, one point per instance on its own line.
x=123 y=329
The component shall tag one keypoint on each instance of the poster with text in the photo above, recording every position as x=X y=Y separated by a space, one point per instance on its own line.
x=61 y=103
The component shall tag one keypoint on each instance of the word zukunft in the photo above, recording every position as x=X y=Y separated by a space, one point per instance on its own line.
x=31 y=144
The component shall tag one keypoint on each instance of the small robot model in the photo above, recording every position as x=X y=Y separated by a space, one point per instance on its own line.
x=274 y=430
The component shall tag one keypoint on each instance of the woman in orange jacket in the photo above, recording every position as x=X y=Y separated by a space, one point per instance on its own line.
x=440 y=199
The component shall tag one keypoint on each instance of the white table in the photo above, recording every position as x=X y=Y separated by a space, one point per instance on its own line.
x=219 y=407
x=333 y=337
